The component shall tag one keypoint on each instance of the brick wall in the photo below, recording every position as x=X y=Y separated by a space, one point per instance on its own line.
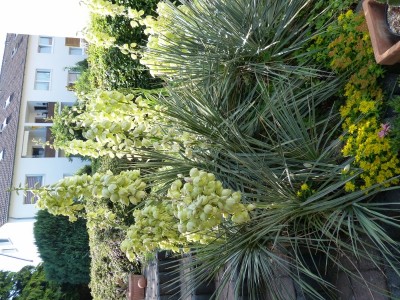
x=11 y=83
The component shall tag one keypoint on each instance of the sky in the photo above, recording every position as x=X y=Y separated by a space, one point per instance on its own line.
x=36 y=17
x=42 y=17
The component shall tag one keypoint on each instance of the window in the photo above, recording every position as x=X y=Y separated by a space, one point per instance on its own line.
x=73 y=42
x=5 y=123
x=74 y=45
x=75 y=51
x=32 y=182
x=42 y=80
x=5 y=242
x=8 y=101
x=45 y=44
x=1 y=155
x=14 y=51
x=72 y=77
x=37 y=152
x=9 y=250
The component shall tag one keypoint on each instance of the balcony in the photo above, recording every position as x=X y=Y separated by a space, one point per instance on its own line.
x=34 y=138
x=39 y=112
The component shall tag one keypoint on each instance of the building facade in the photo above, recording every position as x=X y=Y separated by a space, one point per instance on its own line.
x=34 y=82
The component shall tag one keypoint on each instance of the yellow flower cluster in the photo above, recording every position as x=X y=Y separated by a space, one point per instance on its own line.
x=363 y=98
x=349 y=186
x=372 y=153
x=304 y=192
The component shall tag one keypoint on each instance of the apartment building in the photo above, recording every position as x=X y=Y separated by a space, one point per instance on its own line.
x=34 y=81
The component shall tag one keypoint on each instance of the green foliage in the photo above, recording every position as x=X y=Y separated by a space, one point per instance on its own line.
x=253 y=109
x=105 y=163
x=63 y=247
x=109 y=265
x=328 y=11
x=86 y=169
x=346 y=48
x=83 y=84
x=6 y=285
x=395 y=124
x=390 y=2
x=30 y=284
x=297 y=145
x=241 y=40
x=65 y=129
x=109 y=68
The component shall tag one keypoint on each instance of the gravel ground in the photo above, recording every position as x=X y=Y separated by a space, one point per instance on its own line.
x=393 y=17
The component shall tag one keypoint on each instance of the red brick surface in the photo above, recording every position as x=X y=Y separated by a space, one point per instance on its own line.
x=11 y=82
x=134 y=291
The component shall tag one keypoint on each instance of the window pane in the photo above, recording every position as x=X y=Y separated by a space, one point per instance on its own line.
x=4 y=242
x=72 y=77
x=44 y=49
x=43 y=40
x=32 y=182
x=75 y=51
x=43 y=86
x=43 y=76
x=42 y=81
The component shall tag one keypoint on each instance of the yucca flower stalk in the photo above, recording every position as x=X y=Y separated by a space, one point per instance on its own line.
x=267 y=126
x=283 y=153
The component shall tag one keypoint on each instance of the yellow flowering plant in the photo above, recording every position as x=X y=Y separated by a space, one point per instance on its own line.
x=348 y=50
x=305 y=192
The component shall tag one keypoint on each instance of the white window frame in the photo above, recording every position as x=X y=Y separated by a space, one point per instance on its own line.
x=45 y=46
x=1 y=155
x=29 y=195
x=39 y=81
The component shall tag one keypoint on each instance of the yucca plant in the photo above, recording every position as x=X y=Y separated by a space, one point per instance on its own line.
x=266 y=125
x=268 y=148
x=206 y=40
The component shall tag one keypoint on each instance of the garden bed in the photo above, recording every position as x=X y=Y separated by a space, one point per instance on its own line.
x=247 y=152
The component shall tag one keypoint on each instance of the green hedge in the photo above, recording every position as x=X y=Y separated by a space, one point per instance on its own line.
x=63 y=247
x=109 y=68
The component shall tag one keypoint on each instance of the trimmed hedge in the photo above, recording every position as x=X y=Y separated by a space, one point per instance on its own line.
x=63 y=247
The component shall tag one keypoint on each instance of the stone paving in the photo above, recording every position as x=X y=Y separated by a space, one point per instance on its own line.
x=151 y=274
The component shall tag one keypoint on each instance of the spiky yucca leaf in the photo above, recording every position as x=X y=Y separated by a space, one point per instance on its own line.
x=205 y=39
